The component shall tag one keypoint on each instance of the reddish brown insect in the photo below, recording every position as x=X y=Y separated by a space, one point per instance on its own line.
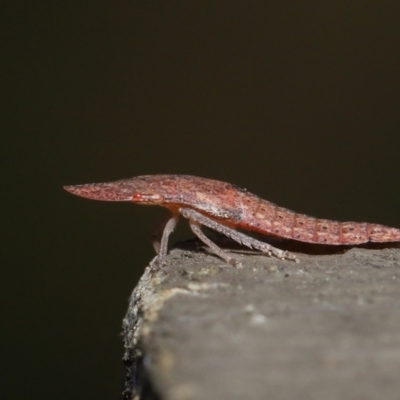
x=225 y=207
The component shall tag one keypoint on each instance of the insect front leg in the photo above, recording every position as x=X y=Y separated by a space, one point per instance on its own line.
x=166 y=226
x=239 y=237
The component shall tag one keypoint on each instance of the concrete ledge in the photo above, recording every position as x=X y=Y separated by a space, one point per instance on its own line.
x=325 y=328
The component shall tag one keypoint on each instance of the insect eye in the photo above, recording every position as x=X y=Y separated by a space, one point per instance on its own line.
x=147 y=198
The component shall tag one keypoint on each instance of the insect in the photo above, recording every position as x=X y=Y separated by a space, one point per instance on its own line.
x=224 y=207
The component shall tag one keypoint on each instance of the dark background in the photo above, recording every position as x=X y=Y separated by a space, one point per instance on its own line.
x=296 y=101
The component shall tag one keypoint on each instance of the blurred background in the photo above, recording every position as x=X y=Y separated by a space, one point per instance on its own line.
x=296 y=101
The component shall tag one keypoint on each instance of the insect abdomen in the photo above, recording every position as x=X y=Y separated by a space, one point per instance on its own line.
x=262 y=216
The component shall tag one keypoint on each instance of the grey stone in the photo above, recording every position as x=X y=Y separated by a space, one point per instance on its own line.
x=325 y=328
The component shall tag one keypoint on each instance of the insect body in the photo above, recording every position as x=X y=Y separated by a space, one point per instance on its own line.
x=224 y=208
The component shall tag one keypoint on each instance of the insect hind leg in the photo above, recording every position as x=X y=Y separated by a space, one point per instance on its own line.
x=196 y=219
x=195 y=226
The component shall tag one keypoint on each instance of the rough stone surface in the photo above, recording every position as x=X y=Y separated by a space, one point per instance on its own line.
x=325 y=328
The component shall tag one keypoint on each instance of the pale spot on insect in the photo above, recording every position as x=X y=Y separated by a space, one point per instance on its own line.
x=281 y=229
x=203 y=197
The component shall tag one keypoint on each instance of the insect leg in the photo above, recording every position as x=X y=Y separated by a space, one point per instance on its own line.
x=167 y=226
x=239 y=237
x=195 y=226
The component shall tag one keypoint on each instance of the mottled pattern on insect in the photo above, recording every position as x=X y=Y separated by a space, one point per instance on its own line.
x=225 y=208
